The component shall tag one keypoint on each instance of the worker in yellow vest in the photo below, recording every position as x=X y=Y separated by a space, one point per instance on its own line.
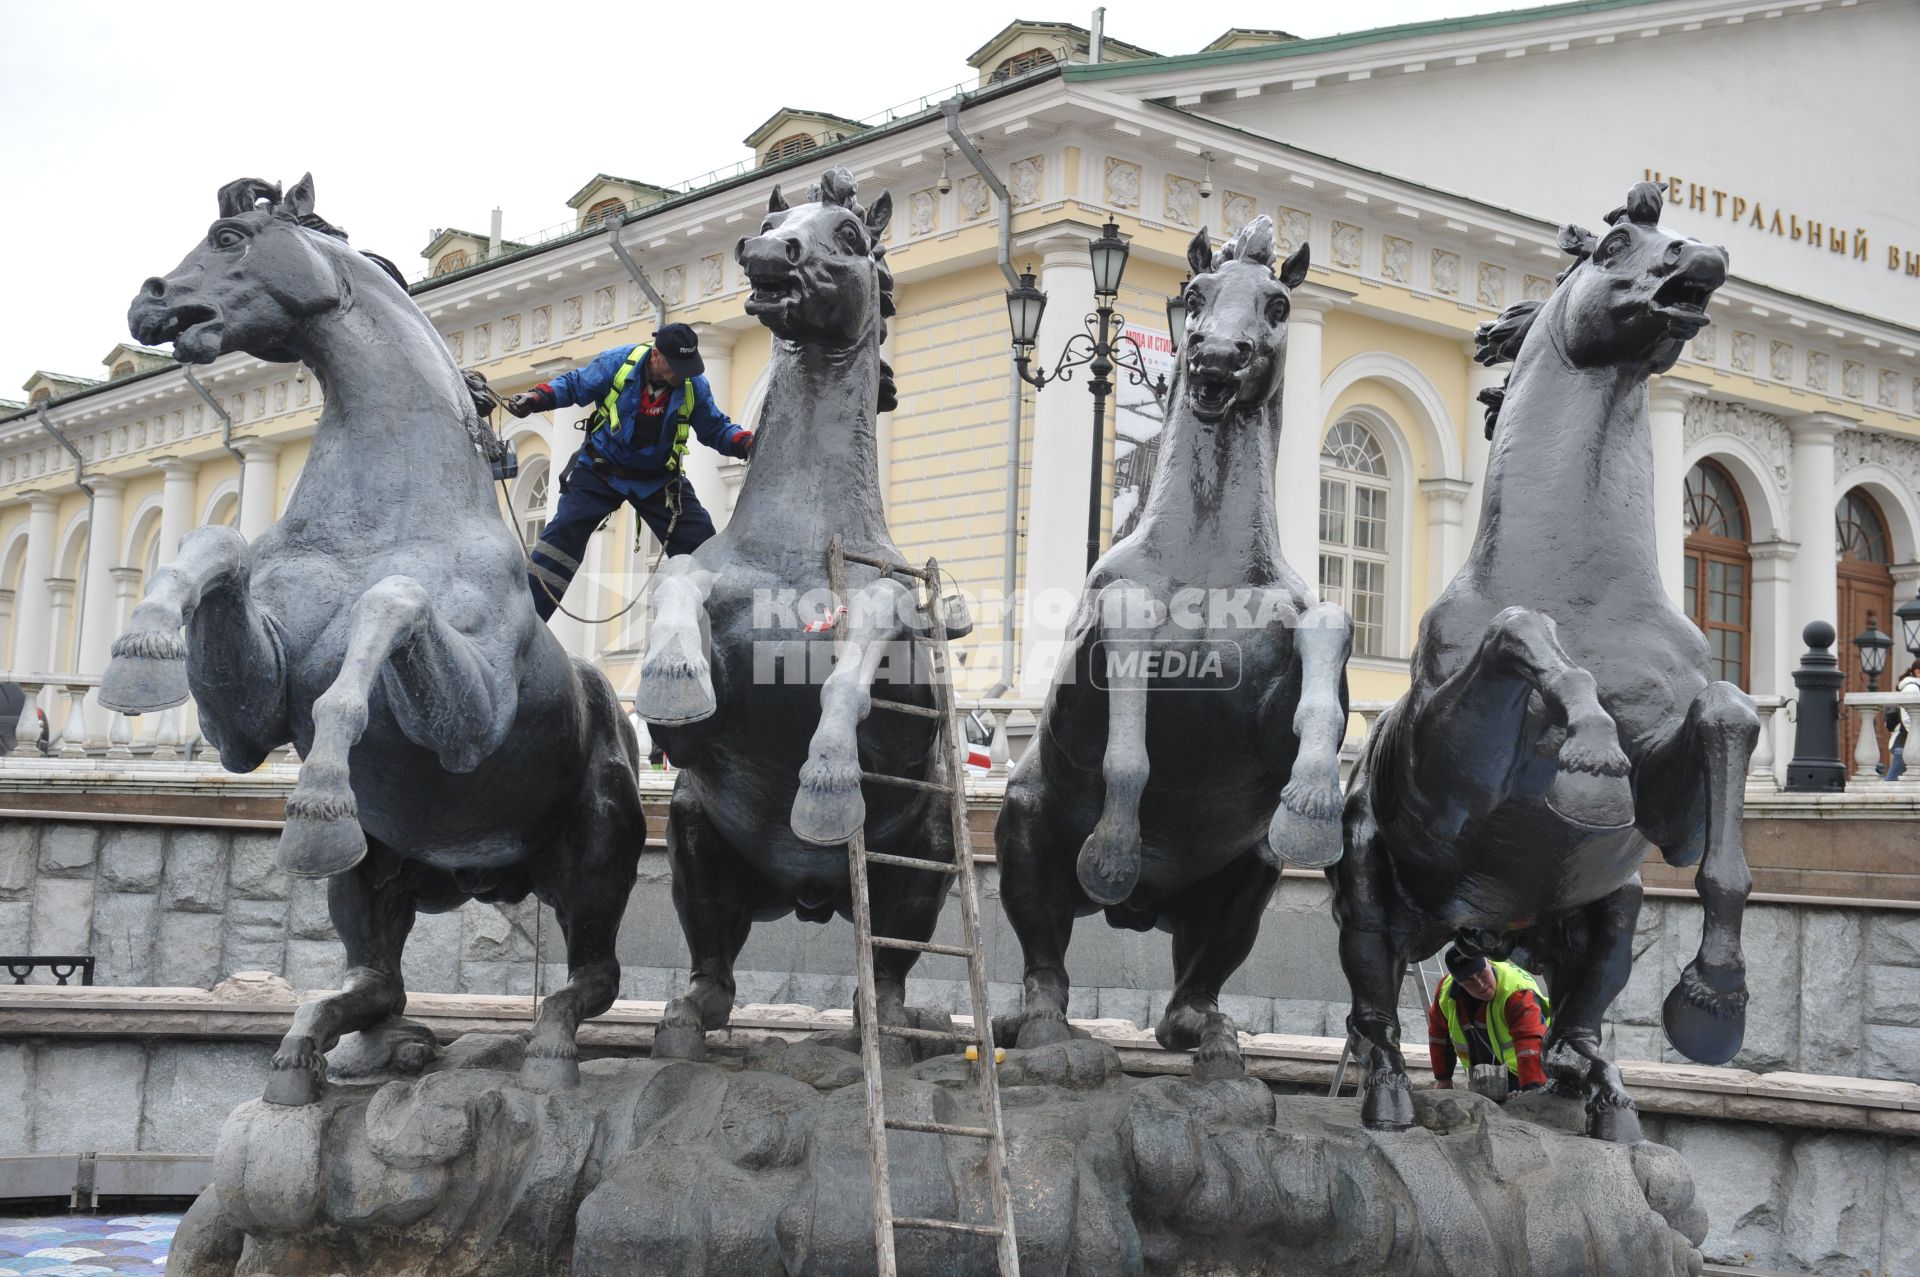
x=649 y=400
x=1488 y=1012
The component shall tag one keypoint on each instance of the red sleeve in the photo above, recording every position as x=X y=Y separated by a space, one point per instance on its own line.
x=1439 y=1044
x=1528 y=1031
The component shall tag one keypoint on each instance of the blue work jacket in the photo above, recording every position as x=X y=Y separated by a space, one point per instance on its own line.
x=645 y=457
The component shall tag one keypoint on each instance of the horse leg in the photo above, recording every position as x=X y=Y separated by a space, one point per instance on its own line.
x=1039 y=890
x=587 y=876
x=230 y=655
x=1305 y=829
x=1109 y=862
x=1470 y=741
x=713 y=895
x=1214 y=925
x=1596 y=970
x=828 y=808
x=440 y=691
x=1692 y=795
x=372 y=907
x=676 y=679
x=1373 y=956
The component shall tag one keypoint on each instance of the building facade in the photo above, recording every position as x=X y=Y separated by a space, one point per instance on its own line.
x=1427 y=167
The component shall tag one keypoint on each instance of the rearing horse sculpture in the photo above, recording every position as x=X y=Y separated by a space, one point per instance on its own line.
x=453 y=751
x=769 y=755
x=1562 y=715
x=1172 y=799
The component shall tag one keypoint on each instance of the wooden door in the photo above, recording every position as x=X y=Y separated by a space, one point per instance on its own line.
x=1865 y=587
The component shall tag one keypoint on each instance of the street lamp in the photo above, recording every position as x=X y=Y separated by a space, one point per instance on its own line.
x=1177 y=330
x=1099 y=348
x=1909 y=614
x=1873 y=647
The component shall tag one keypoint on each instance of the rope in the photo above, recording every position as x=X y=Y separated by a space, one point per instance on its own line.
x=526 y=551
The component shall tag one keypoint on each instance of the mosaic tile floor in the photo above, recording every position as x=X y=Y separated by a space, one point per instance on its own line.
x=95 y=1245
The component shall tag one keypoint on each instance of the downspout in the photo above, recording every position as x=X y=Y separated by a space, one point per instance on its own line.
x=226 y=440
x=1010 y=570
x=80 y=482
x=614 y=226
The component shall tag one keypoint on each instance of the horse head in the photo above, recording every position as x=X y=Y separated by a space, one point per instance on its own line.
x=1236 y=338
x=817 y=269
x=268 y=264
x=1637 y=294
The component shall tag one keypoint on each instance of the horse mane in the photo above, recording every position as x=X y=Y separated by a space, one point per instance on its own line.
x=247 y=194
x=1253 y=242
x=837 y=186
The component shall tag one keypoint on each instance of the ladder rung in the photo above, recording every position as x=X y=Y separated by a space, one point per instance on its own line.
x=946 y=1226
x=939 y=1128
x=913 y=862
x=927 y=1035
x=885 y=565
x=903 y=782
x=901 y=707
x=923 y=946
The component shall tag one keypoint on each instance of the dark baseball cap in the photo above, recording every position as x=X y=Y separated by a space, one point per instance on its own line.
x=681 y=350
x=1464 y=965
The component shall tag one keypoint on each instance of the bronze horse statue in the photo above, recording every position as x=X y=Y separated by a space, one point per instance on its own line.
x=1170 y=796
x=770 y=754
x=1562 y=714
x=452 y=750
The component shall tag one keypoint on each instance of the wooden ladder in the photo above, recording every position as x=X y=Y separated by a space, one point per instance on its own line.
x=932 y=612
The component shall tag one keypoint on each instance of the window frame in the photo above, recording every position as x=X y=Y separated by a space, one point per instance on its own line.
x=1378 y=557
x=1704 y=550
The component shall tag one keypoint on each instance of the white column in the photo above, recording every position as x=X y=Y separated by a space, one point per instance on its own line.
x=1815 y=593
x=100 y=614
x=1775 y=629
x=1056 y=553
x=1667 y=399
x=126 y=593
x=1303 y=428
x=6 y=626
x=1447 y=533
x=176 y=504
x=703 y=463
x=35 y=603
x=1474 y=455
x=56 y=658
x=259 y=485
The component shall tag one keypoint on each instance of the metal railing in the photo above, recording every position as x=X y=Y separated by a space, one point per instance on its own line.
x=63 y=967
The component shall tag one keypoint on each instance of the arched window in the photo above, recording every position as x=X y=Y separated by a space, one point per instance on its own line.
x=613 y=206
x=788 y=147
x=1021 y=63
x=1719 y=570
x=225 y=512
x=533 y=499
x=1859 y=532
x=39 y=396
x=1865 y=587
x=449 y=262
x=121 y=370
x=1354 y=496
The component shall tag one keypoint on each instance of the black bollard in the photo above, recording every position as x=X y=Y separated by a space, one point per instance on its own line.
x=1816 y=767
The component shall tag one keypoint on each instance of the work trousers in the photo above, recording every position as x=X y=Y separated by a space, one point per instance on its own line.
x=585 y=502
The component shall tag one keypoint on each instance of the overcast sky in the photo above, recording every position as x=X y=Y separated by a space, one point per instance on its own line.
x=119 y=121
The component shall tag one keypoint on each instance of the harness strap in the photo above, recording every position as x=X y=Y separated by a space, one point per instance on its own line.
x=609 y=411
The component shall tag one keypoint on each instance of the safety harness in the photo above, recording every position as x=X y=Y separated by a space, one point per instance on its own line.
x=607 y=415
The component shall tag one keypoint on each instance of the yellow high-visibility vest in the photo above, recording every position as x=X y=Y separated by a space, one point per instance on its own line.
x=1507 y=980
x=610 y=406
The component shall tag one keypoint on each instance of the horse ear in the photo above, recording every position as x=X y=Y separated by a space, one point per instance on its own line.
x=1200 y=253
x=298 y=203
x=1293 y=271
x=1576 y=240
x=1644 y=202
x=776 y=203
x=879 y=214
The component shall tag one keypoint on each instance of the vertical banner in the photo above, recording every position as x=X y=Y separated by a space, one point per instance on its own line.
x=1137 y=422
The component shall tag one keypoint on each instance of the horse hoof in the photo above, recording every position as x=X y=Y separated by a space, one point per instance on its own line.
x=1034 y=1030
x=674 y=694
x=138 y=683
x=319 y=847
x=1388 y=1105
x=679 y=1041
x=828 y=809
x=1219 y=1059
x=1615 y=1123
x=1309 y=840
x=1592 y=800
x=1705 y=1014
x=292 y=1088
x=1108 y=868
x=551 y=1072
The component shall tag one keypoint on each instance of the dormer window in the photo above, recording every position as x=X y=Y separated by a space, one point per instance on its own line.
x=456 y=260
x=1021 y=63
x=788 y=147
x=122 y=369
x=39 y=396
x=605 y=209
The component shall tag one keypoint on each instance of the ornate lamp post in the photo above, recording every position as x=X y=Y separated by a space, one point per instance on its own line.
x=1873 y=646
x=1908 y=614
x=1099 y=348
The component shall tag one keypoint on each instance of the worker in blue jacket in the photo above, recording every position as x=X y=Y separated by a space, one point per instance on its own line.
x=648 y=401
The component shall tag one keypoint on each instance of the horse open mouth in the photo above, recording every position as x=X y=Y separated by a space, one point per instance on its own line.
x=1684 y=295
x=1213 y=391
x=772 y=292
x=181 y=320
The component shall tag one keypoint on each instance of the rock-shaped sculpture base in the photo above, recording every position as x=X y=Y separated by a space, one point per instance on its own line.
x=679 y=1167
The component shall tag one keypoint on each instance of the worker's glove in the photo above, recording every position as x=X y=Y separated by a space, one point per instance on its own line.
x=745 y=440
x=527 y=402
